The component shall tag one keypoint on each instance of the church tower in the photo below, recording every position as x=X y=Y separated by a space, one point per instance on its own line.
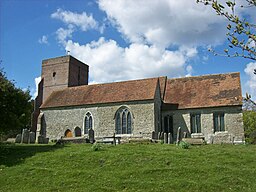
x=58 y=73
x=62 y=72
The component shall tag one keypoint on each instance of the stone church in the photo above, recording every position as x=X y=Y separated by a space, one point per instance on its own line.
x=208 y=107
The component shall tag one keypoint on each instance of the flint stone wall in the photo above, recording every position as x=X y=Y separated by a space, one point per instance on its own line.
x=58 y=120
x=233 y=119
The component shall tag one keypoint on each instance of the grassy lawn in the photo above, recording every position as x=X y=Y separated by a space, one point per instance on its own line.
x=127 y=167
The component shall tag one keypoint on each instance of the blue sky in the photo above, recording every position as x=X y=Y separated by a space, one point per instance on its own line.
x=119 y=40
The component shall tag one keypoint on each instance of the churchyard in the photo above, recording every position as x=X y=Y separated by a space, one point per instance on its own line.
x=127 y=167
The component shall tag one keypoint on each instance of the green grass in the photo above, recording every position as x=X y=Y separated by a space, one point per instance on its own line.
x=127 y=167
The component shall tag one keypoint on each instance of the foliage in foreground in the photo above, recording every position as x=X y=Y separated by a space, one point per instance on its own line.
x=127 y=167
x=241 y=33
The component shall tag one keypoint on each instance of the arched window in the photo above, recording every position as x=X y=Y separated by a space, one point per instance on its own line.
x=68 y=133
x=123 y=121
x=87 y=123
x=77 y=132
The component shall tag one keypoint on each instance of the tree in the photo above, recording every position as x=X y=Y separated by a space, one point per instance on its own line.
x=249 y=119
x=241 y=32
x=15 y=107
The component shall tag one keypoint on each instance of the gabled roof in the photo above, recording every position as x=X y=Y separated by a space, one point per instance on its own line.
x=135 y=90
x=204 y=91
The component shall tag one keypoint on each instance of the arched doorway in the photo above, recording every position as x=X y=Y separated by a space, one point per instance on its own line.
x=68 y=133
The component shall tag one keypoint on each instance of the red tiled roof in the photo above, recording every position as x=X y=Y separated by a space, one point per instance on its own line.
x=135 y=90
x=204 y=91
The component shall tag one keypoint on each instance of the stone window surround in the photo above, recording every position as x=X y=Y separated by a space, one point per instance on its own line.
x=219 y=114
x=120 y=110
x=195 y=115
x=87 y=114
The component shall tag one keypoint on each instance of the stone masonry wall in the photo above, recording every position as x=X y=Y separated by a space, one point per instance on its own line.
x=61 y=119
x=233 y=124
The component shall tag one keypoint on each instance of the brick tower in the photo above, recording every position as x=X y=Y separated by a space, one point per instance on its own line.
x=58 y=73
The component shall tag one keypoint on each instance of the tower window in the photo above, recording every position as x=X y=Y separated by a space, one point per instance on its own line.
x=54 y=74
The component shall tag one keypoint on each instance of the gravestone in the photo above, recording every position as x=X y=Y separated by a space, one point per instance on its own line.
x=165 y=138
x=184 y=134
x=32 y=137
x=159 y=135
x=42 y=140
x=18 y=138
x=153 y=135
x=178 y=136
x=162 y=135
x=25 y=136
x=169 y=138
x=91 y=135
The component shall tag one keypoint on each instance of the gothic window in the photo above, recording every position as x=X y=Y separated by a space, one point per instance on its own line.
x=123 y=120
x=87 y=123
x=218 y=122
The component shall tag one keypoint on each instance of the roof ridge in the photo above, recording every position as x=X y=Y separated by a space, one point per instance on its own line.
x=205 y=75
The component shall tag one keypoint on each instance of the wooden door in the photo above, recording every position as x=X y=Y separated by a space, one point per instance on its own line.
x=68 y=133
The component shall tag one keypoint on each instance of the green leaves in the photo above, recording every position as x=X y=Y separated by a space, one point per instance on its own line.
x=15 y=106
x=241 y=31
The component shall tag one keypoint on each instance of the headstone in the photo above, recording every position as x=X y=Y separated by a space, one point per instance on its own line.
x=153 y=135
x=32 y=137
x=25 y=136
x=165 y=138
x=184 y=134
x=162 y=135
x=91 y=135
x=159 y=135
x=169 y=138
x=18 y=138
x=42 y=140
x=178 y=136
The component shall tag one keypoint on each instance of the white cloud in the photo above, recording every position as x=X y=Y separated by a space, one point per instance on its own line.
x=37 y=81
x=43 y=40
x=63 y=34
x=109 y=62
x=165 y=22
x=83 y=21
x=251 y=82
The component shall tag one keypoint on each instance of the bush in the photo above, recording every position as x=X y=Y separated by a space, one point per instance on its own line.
x=249 y=119
x=184 y=144
x=96 y=147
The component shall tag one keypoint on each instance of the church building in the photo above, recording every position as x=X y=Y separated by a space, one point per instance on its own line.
x=208 y=107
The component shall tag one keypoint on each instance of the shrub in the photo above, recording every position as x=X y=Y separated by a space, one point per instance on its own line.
x=249 y=119
x=96 y=147
x=184 y=144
